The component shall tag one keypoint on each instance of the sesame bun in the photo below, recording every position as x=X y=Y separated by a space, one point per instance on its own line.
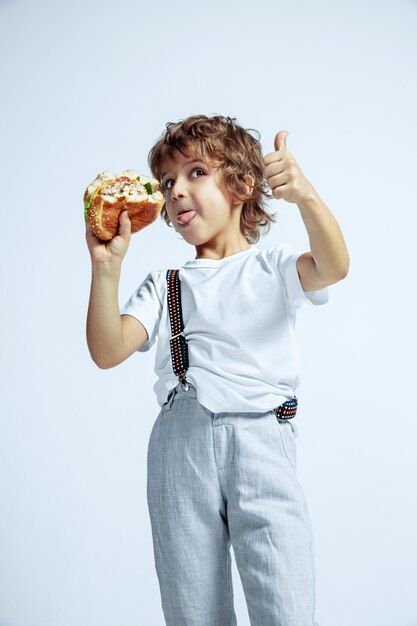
x=109 y=194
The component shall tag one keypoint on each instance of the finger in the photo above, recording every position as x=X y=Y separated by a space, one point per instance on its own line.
x=275 y=167
x=278 y=181
x=280 y=192
x=273 y=157
x=280 y=140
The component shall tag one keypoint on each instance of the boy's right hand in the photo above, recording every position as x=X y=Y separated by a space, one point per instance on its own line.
x=114 y=250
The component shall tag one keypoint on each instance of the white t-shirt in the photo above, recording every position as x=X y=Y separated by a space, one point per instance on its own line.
x=239 y=317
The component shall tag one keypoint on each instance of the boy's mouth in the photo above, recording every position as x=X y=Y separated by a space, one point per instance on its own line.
x=186 y=217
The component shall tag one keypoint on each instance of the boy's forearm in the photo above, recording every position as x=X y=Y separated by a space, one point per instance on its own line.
x=104 y=328
x=326 y=240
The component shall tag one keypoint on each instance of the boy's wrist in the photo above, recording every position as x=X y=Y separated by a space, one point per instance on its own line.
x=310 y=200
x=102 y=269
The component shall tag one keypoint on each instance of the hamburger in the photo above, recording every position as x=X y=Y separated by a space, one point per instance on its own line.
x=109 y=194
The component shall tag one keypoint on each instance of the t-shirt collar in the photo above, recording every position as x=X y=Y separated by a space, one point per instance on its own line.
x=220 y=262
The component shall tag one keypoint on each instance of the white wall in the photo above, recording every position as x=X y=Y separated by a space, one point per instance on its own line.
x=88 y=86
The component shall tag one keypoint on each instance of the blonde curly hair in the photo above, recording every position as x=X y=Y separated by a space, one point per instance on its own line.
x=227 y=145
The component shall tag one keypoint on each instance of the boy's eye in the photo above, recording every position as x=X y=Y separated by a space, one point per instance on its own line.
x=166 y=184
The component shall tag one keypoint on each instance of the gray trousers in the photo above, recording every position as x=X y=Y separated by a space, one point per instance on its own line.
x=221 y=479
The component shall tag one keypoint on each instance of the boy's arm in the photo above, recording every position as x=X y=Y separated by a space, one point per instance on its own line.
x=111 y=338
x=328 y=262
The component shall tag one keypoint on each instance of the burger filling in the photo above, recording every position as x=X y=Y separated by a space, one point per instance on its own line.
x=128 y=186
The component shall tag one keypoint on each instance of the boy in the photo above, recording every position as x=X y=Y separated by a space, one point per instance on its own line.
x=222 y=453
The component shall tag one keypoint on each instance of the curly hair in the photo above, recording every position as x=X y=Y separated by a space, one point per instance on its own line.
x=227 y=145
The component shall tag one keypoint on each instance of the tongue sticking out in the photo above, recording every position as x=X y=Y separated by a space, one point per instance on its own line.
x=184 y=218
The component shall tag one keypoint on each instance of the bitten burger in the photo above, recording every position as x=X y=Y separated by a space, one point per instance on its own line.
x=109 y=194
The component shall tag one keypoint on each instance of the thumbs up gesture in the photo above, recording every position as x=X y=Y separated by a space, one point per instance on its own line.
x=283 y=173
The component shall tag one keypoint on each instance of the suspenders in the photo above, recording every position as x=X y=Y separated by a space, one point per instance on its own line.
x=178 y=342
x=179 y=348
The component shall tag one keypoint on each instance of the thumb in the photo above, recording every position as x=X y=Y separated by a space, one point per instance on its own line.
x=125 y=225
x=280 y=140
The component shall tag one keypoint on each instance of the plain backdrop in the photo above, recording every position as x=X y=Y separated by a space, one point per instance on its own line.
x=88 y=86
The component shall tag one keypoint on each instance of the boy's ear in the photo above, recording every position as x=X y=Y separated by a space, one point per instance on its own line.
x=250 y=182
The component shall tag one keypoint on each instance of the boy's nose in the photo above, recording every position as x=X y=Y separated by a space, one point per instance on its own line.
x=177 y=190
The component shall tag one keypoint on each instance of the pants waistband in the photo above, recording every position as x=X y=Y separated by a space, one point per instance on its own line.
x=285 y=411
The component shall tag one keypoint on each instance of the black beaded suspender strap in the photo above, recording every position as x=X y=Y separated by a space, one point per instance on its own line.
x=178 y=342
x=179 y=348
x=287 y=409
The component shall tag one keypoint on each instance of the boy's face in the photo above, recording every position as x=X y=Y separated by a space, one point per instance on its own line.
x=191 y=184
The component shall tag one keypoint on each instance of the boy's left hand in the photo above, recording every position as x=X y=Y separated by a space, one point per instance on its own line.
x=284 y=175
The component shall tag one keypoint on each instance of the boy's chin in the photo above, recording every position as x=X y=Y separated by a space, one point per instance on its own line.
x=192 y=238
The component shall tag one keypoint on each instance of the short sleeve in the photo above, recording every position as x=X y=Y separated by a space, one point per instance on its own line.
x=145 y=305
x=296 y=296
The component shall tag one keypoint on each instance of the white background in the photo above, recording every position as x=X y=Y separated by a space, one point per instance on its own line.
x=88 y=86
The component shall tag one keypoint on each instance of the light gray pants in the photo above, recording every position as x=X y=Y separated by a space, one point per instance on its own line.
x=221 y=479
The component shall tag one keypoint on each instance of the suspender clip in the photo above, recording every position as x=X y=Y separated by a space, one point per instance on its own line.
x=183 y=382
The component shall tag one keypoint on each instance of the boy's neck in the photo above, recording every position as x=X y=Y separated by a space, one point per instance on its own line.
x=216 y=254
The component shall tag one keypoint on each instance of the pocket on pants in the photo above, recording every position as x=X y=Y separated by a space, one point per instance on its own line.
x=288 y=441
